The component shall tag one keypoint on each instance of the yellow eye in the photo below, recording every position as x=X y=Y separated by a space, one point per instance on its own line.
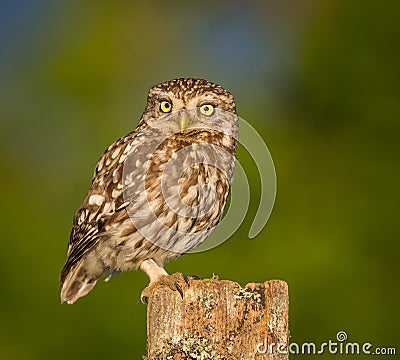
x=207 y=109
x=165 y=106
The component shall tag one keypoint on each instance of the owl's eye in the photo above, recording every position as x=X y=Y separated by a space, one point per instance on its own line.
x=207 y=109
x=165 y=106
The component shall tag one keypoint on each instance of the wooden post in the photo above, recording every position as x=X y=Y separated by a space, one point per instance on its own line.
x=219 y=319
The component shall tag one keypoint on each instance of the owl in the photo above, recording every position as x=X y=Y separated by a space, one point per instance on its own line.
x=157 y=192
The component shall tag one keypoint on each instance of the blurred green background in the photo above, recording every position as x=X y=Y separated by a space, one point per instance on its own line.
x=320 y=82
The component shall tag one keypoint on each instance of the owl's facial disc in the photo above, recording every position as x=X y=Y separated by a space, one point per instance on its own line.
x=184 y=112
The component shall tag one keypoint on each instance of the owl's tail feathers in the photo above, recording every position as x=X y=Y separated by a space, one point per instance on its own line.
x=79 y=279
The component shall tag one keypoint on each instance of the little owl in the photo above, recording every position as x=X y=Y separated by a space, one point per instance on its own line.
x=157 y=192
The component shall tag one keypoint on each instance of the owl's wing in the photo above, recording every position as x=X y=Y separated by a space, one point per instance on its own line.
x=103 y=203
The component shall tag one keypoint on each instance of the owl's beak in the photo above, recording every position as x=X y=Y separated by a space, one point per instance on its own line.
x=183 y=121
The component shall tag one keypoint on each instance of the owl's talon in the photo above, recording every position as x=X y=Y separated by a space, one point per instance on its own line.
x=194 y=277
x=186 y=278
x=179 y=289
x=173 y=281
x=144 y=296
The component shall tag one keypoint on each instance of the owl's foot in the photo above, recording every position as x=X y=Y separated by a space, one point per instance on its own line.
x=174 y=281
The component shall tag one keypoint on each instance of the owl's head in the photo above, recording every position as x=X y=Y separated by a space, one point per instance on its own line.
x=189 y=103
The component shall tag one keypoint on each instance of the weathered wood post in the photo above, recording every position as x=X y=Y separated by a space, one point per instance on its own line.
x=219 y=319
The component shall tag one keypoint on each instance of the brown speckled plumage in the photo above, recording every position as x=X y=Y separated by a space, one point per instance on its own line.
x=159 y=191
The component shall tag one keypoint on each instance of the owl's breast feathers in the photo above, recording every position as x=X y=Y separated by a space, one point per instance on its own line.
x=118 y=180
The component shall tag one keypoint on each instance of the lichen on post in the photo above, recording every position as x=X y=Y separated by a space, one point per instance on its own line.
x=219 y=319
